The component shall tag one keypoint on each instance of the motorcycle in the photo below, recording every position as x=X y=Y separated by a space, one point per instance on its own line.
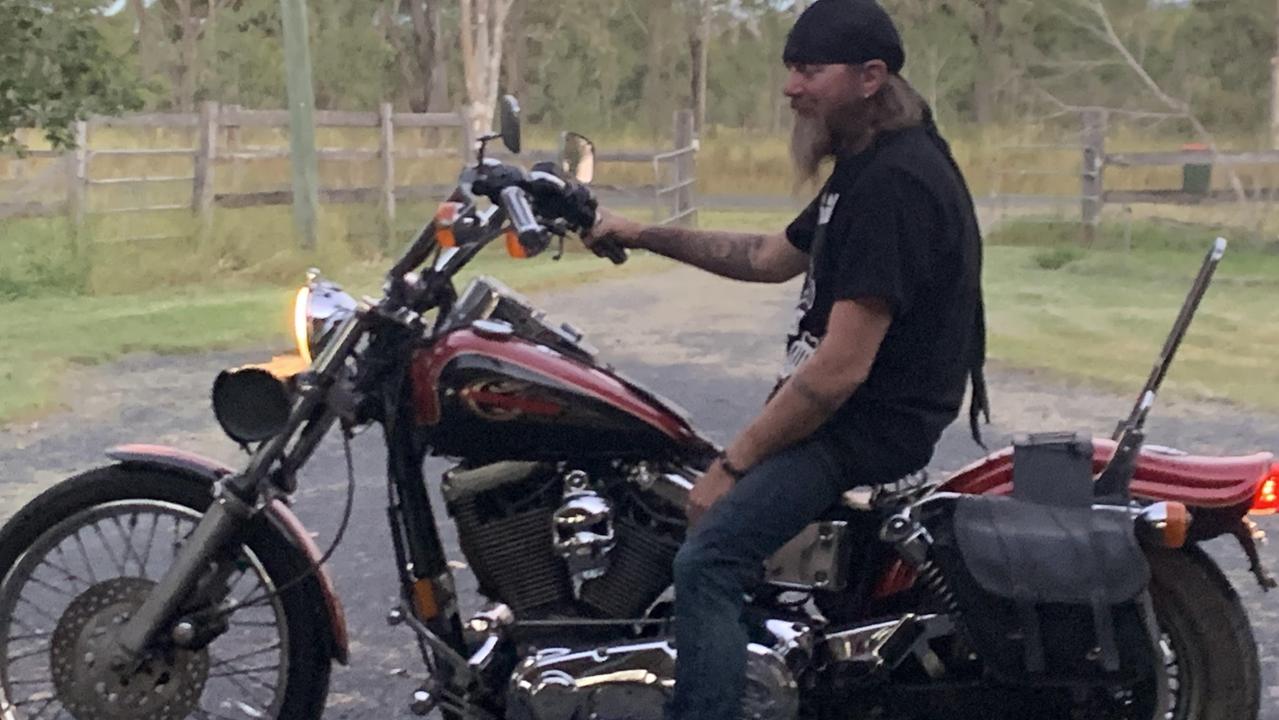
x=1062 y=577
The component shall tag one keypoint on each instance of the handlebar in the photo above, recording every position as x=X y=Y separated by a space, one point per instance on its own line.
x=520 y=212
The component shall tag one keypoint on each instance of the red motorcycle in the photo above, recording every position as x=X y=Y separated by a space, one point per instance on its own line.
x=1060 y=578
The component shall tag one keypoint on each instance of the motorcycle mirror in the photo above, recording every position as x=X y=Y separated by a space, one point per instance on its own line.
x=577 y=157
x=511 y=123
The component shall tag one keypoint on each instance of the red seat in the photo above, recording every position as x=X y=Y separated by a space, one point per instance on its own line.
x=1195 y=480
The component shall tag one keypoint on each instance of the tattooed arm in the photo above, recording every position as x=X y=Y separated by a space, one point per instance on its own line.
x=755 y=257
x=821 y=385
x=818 y=388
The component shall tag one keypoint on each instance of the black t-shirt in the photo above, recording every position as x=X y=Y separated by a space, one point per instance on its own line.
x=895 y=222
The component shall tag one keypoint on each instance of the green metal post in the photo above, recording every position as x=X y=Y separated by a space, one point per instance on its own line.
x=297 y=62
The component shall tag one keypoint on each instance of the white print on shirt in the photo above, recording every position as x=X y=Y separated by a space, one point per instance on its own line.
x=827 y=209
x=803 y=344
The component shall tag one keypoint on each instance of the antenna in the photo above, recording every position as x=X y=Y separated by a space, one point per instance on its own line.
x=1130 y=433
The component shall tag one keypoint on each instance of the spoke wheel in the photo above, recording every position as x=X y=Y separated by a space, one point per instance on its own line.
x=70 y=588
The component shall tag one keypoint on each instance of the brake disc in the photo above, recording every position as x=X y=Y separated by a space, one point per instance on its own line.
x=166 y=685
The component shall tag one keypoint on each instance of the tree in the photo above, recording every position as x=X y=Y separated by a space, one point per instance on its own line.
x=482 y=30
x=56 y=68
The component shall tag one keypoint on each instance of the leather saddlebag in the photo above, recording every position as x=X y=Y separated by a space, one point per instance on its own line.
x=1049 y=595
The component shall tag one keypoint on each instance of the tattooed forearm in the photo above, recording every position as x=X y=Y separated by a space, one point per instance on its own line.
x=733 y=255
x=825 y=403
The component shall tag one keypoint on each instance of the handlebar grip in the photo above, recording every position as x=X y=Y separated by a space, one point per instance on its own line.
x=530 y=231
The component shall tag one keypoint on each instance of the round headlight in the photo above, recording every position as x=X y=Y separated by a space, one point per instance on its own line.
x=319 y=307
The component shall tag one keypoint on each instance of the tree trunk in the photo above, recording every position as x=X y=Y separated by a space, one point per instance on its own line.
x=1274 y=88
x=424 y=38
x=142 y=36
x=186 y=63
x=437 y=99
x=516 y=50
x=986 y=38
x=698 y=39
x=483 y=25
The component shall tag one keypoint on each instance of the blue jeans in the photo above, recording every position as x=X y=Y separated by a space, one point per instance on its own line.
x=723 y=558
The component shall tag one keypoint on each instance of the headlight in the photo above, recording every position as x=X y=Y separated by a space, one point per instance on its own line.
x=320 y=306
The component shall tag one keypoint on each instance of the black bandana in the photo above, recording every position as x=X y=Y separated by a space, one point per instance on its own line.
x=844 y=32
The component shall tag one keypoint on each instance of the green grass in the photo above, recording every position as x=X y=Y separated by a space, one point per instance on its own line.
x=1098 y=314
x=1104 y=317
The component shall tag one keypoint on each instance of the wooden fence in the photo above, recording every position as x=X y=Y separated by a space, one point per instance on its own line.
x=672 y=201
x=1197 y=164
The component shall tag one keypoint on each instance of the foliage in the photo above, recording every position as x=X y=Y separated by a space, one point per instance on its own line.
x=56 y=67
x=1058 y=257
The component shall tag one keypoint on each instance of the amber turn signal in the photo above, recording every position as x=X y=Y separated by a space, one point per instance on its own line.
x=1167 y=524
x=445 y=216
x=424 y=602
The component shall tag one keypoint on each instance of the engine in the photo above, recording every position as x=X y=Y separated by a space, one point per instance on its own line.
x=549 y=542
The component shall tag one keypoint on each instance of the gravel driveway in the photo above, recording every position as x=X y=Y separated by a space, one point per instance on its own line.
x=711 y=345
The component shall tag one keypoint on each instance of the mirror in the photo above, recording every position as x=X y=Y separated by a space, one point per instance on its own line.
x=577 y=157
x=511 y=123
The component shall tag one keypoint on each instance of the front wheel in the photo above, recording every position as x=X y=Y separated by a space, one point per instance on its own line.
x=81 y=557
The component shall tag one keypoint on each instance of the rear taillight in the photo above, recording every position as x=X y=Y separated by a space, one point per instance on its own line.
x=1267 y=500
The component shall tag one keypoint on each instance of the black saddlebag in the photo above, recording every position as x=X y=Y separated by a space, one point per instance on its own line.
x=1049 y=595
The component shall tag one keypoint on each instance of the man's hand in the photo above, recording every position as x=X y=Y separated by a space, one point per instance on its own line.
x=708 y=489
x=612 y=228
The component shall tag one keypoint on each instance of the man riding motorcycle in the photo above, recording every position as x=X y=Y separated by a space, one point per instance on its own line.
x=889 y=327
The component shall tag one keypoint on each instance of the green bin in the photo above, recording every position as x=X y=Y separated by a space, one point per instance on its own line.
x=1196 y=178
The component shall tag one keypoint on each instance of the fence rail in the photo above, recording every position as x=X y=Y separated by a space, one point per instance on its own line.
x=216 y=144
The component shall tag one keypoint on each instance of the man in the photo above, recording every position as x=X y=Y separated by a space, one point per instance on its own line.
x=889 y=328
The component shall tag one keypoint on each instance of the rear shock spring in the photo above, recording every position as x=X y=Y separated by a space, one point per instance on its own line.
x=935 y=583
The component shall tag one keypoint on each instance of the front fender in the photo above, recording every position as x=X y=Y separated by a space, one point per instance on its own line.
x=198 y=468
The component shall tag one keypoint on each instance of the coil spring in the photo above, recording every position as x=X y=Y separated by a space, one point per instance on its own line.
x=935 y=582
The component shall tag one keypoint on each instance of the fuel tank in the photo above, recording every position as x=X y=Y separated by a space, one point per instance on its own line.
x=490 y=397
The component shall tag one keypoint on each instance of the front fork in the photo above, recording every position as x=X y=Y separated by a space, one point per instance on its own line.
x=222 y=522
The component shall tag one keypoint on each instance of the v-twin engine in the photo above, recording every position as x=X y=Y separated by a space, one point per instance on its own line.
x=634 y=682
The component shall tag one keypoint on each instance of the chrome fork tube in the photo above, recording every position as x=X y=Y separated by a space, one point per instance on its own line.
x=220 y=523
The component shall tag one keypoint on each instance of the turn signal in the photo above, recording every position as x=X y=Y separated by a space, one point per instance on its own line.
x=445 y=216
x=424 y=602
x=513 y=246
x=1266 y=501
x=1166 y=524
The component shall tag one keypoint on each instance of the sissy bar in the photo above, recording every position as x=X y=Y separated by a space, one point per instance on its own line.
x=1130 y=434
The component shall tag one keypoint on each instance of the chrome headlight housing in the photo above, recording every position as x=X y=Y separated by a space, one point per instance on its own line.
x=319 y=307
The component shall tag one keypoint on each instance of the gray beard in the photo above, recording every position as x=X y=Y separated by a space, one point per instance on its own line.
x=811 y=141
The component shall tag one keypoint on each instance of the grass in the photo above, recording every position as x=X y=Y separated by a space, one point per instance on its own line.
x=1103 y=315
x=42 y=339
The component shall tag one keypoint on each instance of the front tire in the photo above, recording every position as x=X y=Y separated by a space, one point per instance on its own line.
x=56 y=560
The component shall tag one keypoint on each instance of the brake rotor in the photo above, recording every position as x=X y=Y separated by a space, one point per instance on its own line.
x=166 y=685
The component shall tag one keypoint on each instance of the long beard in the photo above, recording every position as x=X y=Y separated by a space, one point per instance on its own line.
x=811 y=141
x=815 y=138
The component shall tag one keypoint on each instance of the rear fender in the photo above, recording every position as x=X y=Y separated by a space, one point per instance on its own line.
x=198 y=468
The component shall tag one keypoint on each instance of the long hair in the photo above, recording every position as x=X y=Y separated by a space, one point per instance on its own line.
x=896 y=106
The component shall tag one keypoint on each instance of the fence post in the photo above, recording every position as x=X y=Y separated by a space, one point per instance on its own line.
x=78 y=180
x=386 y=150
x=1092 y=184
x=232 y=131
x=206 y=152
x=685 y=167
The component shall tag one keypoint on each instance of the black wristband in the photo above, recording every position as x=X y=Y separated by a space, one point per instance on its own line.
x=733 y=472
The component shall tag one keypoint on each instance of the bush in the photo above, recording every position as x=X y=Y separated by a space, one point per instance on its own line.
x=1057 y=257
